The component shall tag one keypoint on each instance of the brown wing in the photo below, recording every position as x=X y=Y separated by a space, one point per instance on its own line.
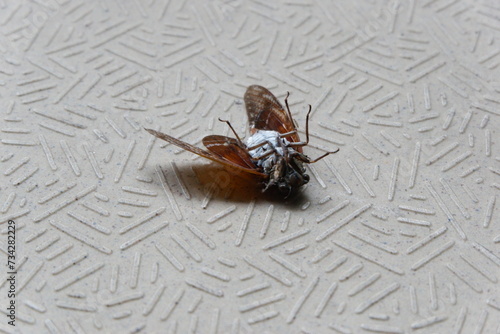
x=228 y=149
x=266 y=113
x=216 y=154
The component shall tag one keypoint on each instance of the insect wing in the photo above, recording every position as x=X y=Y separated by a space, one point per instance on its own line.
x=217 y=157
x=228 y=149
x=266 y=113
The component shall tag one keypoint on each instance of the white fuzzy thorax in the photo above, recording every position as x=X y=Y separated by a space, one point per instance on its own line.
x=273 y=138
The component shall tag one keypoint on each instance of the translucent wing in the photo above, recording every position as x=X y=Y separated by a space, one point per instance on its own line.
x=222 y=149
x=228 y=149
x=266 y=113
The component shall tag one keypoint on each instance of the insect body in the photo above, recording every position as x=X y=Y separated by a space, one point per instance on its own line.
x=273 y=146
x=274 y=155
x=273 y=151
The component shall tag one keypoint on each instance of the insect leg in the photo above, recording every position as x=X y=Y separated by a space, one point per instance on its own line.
x=268 y=185
x=251 y=148
x=321 y=157
x=265 y=155
x=232 y=129
x=307 y=125
x=285 y=152
x=286 y=134
x=297 y=144
x=300 y=156
x=276 y=173
x=288 y=110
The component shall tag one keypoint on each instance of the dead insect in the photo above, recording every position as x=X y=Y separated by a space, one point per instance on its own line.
x=273 y=151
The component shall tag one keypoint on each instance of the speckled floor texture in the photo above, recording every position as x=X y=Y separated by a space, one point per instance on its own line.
x=120 y=232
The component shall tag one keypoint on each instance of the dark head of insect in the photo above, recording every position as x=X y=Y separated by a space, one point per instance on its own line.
x=273 y=151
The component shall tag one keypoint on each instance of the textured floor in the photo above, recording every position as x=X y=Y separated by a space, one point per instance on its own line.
x=399 y=232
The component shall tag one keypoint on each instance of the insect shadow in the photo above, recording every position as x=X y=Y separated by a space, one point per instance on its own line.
x=222 y=184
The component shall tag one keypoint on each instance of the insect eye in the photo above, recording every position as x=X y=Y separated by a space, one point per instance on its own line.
x=295 y=180
x=306 y=178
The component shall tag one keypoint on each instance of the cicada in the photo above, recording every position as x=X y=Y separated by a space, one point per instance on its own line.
x=273 y=151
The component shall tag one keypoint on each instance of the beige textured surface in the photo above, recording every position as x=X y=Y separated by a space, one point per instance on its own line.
x=397 y=233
